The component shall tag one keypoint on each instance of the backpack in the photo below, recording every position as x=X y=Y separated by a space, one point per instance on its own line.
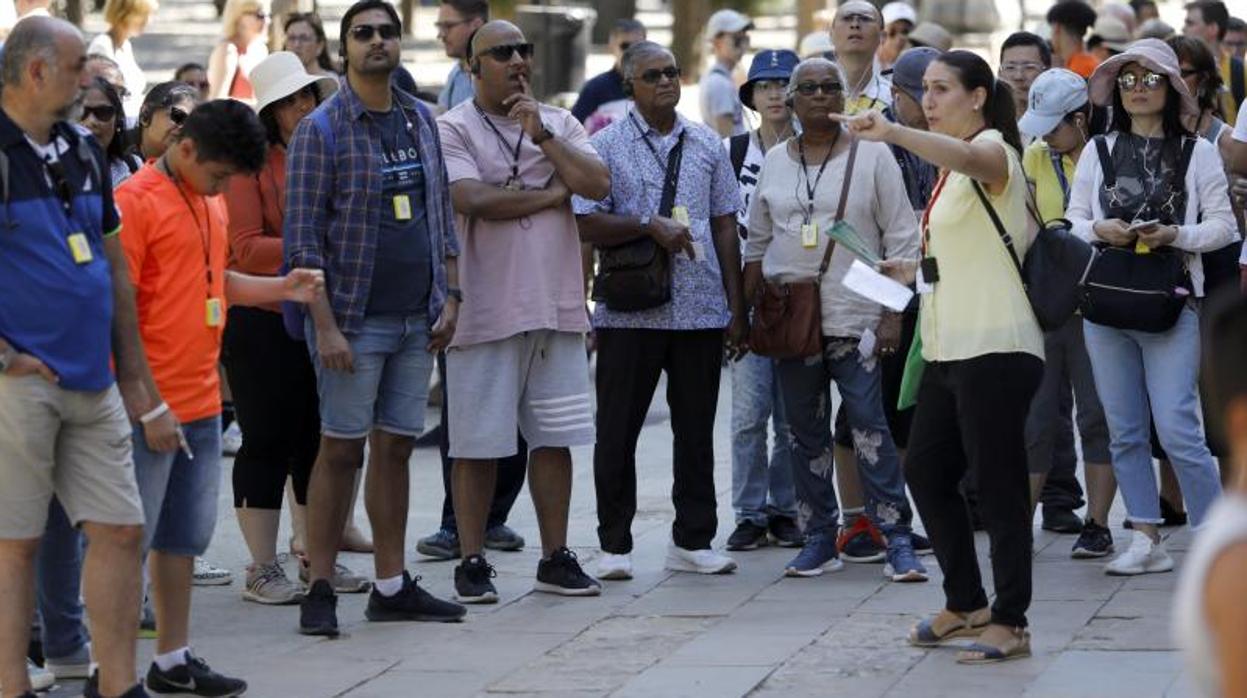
x=82 y=151
x=738 y=150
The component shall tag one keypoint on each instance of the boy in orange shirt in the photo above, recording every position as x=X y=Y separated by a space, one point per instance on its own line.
x=1069 y=21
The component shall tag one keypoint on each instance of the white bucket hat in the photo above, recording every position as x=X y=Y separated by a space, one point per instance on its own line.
x=281 y=75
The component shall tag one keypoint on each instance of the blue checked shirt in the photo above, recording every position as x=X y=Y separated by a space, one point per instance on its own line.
x=334 y=202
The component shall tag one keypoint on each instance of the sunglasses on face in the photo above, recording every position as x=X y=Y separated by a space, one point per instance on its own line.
x=503 y=53
x=102 y=112
x=807 y=89
x=365 y=32
x=178 y=115
x=1150 y=81
x=654 y=75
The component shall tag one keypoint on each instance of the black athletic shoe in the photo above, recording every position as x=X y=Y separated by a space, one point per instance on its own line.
x=472 y=583
x=561 y=574
x=1170 y=514
x=318 y=613
x=412 y=603
x=502 y=537
x=747 y=536
x=1094 y=541
x=783 y=531
x=1061 y=520
x=194 y=678
x=922 y=544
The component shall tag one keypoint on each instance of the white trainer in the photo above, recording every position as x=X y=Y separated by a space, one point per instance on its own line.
x=612 y=566
x=1143 y=557
x=76 y=666
x=705 y=561
x=40 y=679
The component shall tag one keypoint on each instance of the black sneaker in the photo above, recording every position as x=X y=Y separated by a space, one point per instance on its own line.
x=92 y=689
x=194 y=678
x=472 y=583
x=1061 y=520
x=747 y=536
x=561 y=574
x=922 y=544
x=783 y=531
x=412 y=603
x=1170 y=514
x=318 y=613
x=503 y=537
x=1094 y=541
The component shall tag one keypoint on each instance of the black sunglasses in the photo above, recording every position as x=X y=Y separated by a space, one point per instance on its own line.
x=102 y=112
x=503 y=53
x=365 y=32
x=654 y=75
x=807 y=89
x=178 y=115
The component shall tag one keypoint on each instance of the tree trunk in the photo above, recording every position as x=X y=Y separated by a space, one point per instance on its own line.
x=805 y=17
x=73 y=12
x=687 y=42
x=608 y=14
x=408 y=10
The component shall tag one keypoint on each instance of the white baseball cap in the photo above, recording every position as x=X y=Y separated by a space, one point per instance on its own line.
x=1054 y=94
x=727 y=22
x=899 y=11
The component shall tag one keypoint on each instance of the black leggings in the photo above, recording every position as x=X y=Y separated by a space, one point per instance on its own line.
x=275 y=399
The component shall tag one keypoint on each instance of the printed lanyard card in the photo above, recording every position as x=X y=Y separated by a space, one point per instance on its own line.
x=679 y=214
x=213 y=314
x=402 y=207
x=809 y=235
x=80 y=248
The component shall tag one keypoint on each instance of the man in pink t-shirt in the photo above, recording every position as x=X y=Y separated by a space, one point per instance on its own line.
x=518 y=356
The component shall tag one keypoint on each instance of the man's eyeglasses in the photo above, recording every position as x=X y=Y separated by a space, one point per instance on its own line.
x=365 y=32
x=178 y=115
x=444 y=27
x=503 y=53
x=654 y=75
x=1019 y=69
x=1150 y=81
x=807 y=89
x=858 y=18
x=102 y=112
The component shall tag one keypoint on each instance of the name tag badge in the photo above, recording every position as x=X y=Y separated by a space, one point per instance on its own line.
x=402 y=207
x=809 y=235
x=212 y=313
x=1141 y=247
x=679 y=214
x=80 y=248
x=928 y=274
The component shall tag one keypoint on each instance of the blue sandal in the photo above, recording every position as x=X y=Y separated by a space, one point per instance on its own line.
x=923 y=634
x=1021 y=647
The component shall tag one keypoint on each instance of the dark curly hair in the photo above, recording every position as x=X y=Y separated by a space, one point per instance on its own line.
x=227 y=131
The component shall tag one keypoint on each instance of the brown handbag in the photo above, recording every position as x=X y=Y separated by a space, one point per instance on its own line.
x=788 y=318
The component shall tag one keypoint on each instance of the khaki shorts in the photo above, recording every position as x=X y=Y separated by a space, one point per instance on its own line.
x=75 y=445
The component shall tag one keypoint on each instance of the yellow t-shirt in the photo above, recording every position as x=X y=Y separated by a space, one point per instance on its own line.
x=1049 y=196
x=978 y=305
x=1228 y=104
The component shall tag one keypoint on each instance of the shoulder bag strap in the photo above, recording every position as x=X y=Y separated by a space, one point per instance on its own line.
x=739 y=149
x=844 y=201
x=1000 y=228
x=1106 y=162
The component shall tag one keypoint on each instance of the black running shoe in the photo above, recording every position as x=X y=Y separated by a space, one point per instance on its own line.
x=783 y=531
x=747 y=536
x=194 y=678
x=412 y=603
x=318 y=613
x=922 y=544
x=1061 y=520
x=472 y=583
x=561 y=574
x=1094 y=541
x=92 y=689
x=1170 y=514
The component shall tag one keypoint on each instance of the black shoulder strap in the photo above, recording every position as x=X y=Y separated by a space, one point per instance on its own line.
x=1238 y=83
x=739 y=145
x=1005 y=237
x=1106 y=162
x=1184 y=161
x=672 y=179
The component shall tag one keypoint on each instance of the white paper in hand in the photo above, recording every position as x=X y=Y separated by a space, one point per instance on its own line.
x=870 y=284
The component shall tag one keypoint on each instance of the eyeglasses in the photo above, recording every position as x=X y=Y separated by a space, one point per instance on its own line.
x=503 y=53
x=741 y=41
x=102 y=112
x=300 y=39
x=365 y=32
x=769 y=86
x=1150 y=81
x=858 y=18
x=1021 y=68
x=178 y=115
x=654 y=75
x=443 y=27
x=807 y=89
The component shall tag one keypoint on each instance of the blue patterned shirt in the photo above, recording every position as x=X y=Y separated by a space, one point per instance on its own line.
x=707 y=188
x=334 y=201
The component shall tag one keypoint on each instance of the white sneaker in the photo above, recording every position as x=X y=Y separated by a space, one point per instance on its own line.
x=40 y=679
x=612 y=566
x=700 y=561
x=209 y=575
x=1143 y=557
x=76 y=666
x=231 y=440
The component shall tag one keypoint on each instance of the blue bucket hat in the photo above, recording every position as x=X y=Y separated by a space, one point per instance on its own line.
x=768 y=65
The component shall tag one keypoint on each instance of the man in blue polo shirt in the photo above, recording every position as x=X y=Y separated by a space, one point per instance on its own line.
x=64 y=429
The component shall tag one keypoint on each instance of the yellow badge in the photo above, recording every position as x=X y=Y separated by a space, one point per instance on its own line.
x=80 y=248
x=1141 y=247
x=402 y=207
x=809 y=235
x=679 y=214
x=212 y=312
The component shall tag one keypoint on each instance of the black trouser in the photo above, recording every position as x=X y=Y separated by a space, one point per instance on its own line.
x=1061 y=490
x=971 y=418
x=630 y=363
x=274 y=388
x=511 y=470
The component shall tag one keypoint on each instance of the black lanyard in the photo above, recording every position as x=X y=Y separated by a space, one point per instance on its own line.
x=645 y=138
x=1060 y=178
x=811 y=188
x=506 y=146
x=205 y=234
x=671 y=170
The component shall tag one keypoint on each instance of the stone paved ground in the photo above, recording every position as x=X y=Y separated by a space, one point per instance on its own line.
x=752 y=633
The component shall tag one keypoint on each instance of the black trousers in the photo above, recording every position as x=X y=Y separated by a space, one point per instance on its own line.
x=1061 y=490
x=971 y=419
x=511 y=470
x=276 y=403
x=630 y=363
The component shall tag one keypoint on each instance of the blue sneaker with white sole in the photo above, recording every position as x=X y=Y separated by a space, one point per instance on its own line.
x=901 y=563
x=819 y=555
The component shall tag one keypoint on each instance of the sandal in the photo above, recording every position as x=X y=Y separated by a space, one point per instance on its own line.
x=1017 y=647
x=971 y=625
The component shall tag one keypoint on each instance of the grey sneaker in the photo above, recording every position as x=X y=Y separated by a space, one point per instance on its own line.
x=344 y=580
x=268 y=584
x=74 y=666
x=209 y=575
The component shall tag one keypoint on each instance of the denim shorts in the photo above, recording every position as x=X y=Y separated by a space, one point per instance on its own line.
x=180 y=493
x=390 y=385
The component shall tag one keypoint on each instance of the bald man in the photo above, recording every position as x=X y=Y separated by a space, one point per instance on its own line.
x=856 y=32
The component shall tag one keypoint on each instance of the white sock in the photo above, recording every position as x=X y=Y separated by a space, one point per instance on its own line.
x=390 y=586
x=171 y=659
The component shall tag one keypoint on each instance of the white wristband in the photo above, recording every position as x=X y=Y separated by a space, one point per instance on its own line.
x=155 y=414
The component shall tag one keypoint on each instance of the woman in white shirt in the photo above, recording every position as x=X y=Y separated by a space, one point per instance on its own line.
x=242 y=46
x=126 y=20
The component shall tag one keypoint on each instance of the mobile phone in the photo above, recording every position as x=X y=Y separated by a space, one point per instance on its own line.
x=1142 y=225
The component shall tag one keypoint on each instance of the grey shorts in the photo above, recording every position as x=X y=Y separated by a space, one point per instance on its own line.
x=1067 y=368
x=72 y=444
x=537 y=380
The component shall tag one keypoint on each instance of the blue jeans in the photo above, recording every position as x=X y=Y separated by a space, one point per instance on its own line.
x=806 y=386
x=180 y=494
x=1135 y=370
x=58 y=582
x=756 y=398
